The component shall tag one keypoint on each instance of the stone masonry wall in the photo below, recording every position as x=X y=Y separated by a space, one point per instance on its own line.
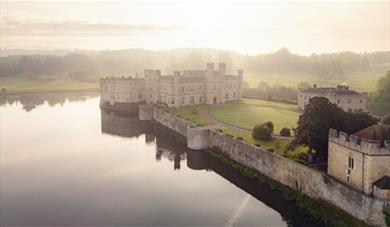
x=316 y=184
x=313 y=183
x=169 y=120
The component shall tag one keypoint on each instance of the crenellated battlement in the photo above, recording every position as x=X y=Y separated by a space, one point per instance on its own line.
x=370 y=147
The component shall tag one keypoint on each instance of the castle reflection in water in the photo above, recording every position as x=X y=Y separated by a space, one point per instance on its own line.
x=170 y=148
x=166 y=147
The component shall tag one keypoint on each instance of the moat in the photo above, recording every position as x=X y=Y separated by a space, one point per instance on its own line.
x=66 y=162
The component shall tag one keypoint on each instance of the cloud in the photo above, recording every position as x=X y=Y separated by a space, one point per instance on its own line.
x=17 y=28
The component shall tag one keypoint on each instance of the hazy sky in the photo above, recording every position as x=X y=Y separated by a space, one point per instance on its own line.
x=245 y=27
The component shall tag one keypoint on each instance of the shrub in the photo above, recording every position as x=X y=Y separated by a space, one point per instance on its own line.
x=262 y=132
x=270 y=149
x=285 y=132
x=270 y=125
x=257 y=145
x=386 y=119
x=240 y=138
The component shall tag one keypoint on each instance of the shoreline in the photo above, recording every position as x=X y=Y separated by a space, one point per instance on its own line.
x=47 y=92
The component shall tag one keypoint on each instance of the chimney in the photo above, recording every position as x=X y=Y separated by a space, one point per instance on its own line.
x=222 y=68
x=210 y=66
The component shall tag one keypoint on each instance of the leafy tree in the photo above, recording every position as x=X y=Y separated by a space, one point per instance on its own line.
x=270 y=125
x=380 y=102
x=313 y=125
x=285 y=132
x=356 y=121
x=320 y=115
x=262 y=132
x=386 y=119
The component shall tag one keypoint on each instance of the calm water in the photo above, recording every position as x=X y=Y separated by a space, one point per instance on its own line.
x=69 y=163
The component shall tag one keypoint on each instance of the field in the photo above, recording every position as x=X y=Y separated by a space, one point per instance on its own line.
x=360 y=81
x=28 y=85
x=190 y=113
x=249 y=112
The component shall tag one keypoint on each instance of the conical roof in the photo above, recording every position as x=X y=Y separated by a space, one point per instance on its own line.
x=375 y=132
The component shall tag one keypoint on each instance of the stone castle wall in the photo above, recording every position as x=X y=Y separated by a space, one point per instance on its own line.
x=169 y=120
x=315 y=184
x=369 y=156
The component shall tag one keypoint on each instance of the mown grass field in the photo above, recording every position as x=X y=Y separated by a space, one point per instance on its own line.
x=190 y=113
x=28 y=85
x=249 y=112
x=360 y=81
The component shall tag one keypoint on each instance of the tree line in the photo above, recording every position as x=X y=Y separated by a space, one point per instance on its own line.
x=92 y=65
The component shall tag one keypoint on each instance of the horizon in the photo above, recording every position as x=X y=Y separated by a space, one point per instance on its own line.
x=248 y=28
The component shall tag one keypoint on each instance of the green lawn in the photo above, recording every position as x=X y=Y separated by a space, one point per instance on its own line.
x=190 y=113
x=28 y=85
x=249 y=112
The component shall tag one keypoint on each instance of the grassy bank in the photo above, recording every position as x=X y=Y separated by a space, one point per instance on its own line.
x=278 y=146
x=22 y=85
x=190 y=113
x=250 y=112
x=321 y=211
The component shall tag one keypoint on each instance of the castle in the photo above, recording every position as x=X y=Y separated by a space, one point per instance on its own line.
x=346 y=99
x=185 y=88
x=362 y=160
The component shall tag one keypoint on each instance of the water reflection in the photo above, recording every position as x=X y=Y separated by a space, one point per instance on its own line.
x=174 y=151
x=76 y=165
x=31 y=101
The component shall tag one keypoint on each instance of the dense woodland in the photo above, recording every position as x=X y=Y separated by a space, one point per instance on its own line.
x=89 y=66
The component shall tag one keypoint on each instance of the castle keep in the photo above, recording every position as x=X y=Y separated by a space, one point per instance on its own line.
x=362 y=160
x=185 y=88
x=346 y=99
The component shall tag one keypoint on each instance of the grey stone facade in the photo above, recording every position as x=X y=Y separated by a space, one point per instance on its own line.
x=342 y=96
x=316 y=184
x=185 y=88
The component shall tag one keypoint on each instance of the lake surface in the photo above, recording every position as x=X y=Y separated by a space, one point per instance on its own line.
x=66 y=162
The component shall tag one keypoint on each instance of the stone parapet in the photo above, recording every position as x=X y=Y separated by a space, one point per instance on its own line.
x=369 y=147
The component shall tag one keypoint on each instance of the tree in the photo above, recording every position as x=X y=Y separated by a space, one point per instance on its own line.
x=380 y=101
x=386 y=119
x=313 y=125
x=262 y=132
x=270 y=125
x=320 y=115
x=285 y=132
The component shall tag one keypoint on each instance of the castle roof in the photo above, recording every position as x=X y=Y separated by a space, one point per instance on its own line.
x=340 y=90
x=375 y=132
x=383 y=182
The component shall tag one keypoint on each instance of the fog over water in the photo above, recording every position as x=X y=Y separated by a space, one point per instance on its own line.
x=72 y=164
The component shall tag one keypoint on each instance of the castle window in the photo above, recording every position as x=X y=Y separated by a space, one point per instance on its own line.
x=200 y=99
x=139 y=96
x=182 y=89
x=234 y=95
x=338 y=101
x=361 y=101
x=347 y=178
x=227 y=96
x=183 y=99
x=351 y=163
x=192 y=100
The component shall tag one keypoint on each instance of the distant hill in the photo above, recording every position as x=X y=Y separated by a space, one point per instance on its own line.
x=87 y=65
